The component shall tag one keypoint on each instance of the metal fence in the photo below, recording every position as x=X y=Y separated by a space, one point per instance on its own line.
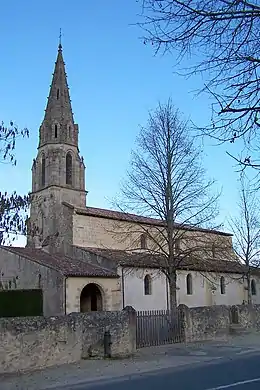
x=158 y=327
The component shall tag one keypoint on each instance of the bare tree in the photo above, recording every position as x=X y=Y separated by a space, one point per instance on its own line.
x=246 y=229
x=223 y=36
x=13 y=207
x=167 y=182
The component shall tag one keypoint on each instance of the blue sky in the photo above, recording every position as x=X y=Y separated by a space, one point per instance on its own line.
x=114 y=80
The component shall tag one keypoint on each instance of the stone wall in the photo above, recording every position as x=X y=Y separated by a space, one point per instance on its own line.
x=212 y=322
x=248 y=316
x=122 y=328
x=28 y=274
x=106 y=232
x=38 y=342
x=204 y=323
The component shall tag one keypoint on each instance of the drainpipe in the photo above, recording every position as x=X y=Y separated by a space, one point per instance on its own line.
x=167 y=292
x=65 y=296
x=123 y=287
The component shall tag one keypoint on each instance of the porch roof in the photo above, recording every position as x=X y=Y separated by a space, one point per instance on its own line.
x=66 y=265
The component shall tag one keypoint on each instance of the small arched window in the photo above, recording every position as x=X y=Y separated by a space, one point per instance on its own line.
x=147 y=285
x=58 y=94
x=222 y=285
x=56 y=131
x=69 y=169
x=143 y=241
x=43 y=167
x=253 y=287
x=189 y=284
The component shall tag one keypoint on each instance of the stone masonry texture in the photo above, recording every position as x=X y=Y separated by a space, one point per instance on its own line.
x=212 y=322
x=39 y=342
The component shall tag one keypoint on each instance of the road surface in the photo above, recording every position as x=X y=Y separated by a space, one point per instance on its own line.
x=241 y=373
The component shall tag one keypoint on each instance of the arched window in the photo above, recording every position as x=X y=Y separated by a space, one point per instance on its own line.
x=56 y=131
x=69 y=169
x=147 y=285
x=253 y=287
x=58 y=94
x=143 y=240
x=189 y=284
x=43 y=167
x=222 y=285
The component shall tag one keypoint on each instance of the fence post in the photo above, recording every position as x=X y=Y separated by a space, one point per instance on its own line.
x=184 y=323
x=132 y=326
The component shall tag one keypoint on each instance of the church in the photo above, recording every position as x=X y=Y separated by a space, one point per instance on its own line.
x=81 y=258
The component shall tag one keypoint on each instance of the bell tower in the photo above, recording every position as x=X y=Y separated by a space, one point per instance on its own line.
x=58 y=172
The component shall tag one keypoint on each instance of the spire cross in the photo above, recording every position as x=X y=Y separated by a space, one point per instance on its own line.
x=60 y=46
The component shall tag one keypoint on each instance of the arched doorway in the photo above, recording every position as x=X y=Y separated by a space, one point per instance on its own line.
x=91 y=298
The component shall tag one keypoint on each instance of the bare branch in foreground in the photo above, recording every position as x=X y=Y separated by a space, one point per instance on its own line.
x=222 y=39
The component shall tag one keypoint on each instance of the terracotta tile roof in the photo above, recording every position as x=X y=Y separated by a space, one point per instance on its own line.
x=65 y=265
x=120 y=216
x=148 y=260
x=74 y=267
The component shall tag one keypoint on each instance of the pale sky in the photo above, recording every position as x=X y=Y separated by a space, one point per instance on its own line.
x=114 y=80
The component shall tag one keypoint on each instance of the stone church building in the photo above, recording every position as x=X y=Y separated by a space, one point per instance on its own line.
x=84 y=258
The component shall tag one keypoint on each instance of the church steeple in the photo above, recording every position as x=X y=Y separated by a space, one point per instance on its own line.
x=58 y=162
x=58 y=124
x=58 y=172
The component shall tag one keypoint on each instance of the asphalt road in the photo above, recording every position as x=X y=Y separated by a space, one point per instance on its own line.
x=241 y=373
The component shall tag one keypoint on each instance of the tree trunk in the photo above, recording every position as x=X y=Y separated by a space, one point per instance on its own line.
x=172 y=277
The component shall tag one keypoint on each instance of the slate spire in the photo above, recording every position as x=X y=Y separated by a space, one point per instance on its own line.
x=58 y=124
x=59 y=105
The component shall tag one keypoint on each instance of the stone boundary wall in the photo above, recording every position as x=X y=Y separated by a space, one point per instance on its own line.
x=30 y=343
x=121 y=326
x=213 y=322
